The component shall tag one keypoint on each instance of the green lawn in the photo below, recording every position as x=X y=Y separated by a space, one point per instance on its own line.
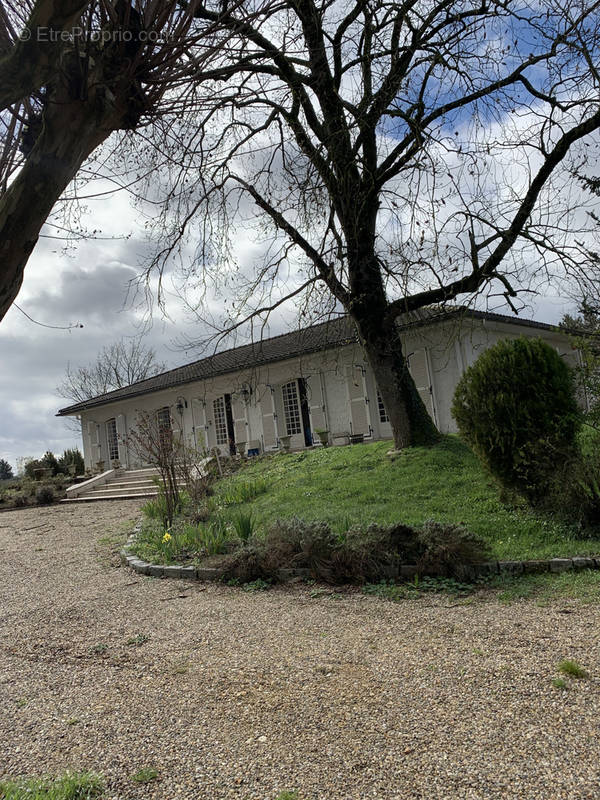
x=358 y=484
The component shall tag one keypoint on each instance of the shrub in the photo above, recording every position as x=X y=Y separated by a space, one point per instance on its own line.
x=45 y=494
x=516 y=409
x=19 y=500
x=447 y=550
x=244 y=525
x=357 y=556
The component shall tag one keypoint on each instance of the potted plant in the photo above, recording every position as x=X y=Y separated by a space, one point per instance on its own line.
x=285 y=442
x=323 y=436
x=241 y=448
x=115 y=463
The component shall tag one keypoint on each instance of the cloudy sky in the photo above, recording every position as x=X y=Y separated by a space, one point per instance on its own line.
x=89 y=286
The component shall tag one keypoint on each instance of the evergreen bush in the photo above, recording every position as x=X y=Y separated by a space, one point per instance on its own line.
x=516 y=408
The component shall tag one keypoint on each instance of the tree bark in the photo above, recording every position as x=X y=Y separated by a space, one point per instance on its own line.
x=33 y=59
x=70 y=134
x=410 y=421
x=76 y=120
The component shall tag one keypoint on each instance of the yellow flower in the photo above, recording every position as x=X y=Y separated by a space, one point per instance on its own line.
x=167 y=537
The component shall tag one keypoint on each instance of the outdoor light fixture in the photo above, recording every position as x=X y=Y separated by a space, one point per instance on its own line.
x=181 y=404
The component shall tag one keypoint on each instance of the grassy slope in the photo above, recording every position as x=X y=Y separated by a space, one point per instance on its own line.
x=359 y=485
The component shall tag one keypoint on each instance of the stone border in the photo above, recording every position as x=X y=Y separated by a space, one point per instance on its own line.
x=406 y=571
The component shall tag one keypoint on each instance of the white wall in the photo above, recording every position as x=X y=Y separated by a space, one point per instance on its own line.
x=443 y=351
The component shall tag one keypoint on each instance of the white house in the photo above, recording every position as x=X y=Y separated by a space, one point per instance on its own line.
x=293 y=385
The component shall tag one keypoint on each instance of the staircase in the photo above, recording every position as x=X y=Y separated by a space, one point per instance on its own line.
x=118 y=485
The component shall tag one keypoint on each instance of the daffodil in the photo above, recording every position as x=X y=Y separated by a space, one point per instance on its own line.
x=166 y=538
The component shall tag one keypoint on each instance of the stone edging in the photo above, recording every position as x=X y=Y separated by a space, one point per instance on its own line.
x=406 y=571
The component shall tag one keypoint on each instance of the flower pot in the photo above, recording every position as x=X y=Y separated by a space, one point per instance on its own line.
x=100 y=466
x=323 y=437
x=285 y=443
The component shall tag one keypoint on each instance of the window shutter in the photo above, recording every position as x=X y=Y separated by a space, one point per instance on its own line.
x=200 y=426
x=316 y=402
x=358 y=398
x=269 y=422
x=122 y=438
x=240 y=421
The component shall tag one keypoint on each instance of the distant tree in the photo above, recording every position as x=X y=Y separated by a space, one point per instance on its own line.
x=71 y=457
x=117 y=365
x=5 y=470
x=586 y=324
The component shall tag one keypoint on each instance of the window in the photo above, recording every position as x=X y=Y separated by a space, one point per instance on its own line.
x=220 y=420
x=113 y=442
x=383 y=415
x=291 y=408
x=163 y=418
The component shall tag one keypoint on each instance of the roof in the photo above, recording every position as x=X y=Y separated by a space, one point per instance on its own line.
x=323 y=336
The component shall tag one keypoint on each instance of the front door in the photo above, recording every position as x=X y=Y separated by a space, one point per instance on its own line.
x=305 y=413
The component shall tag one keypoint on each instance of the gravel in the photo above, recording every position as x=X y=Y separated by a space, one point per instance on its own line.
x=234 y=694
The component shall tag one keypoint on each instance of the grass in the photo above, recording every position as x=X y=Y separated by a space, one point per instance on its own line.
x=359 y=485
x=70 y=786
x=145 y=775
x=572 y=669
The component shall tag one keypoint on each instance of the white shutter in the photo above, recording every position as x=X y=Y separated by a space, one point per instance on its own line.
x=240 y=421
x=211 y=436
x=269 y=422
x=358 y=399
x=316 y=403
x=94 y=434
x=122 y=439
x=200 y=425
x=419 y=369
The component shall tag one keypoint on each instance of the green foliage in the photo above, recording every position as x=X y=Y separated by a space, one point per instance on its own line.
x=71 y=458
x=356 y=486
x=44 y=495
x=70 y=786
x=587 y=342
x=182 y=542
x=19 y=500
x=516 y=408
x=358 y=556
x=243 y=492
x=448 y=550
x=244 y=525
x=572 y=669
x=6 y=472
x=257 y=585
x=559 y=683
x=145 y=775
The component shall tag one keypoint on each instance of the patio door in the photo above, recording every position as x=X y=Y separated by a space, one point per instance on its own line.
x=112 y=440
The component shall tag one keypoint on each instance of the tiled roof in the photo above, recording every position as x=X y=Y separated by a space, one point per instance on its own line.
x=324 y=336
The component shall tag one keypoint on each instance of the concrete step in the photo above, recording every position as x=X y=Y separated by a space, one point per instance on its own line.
x=141 y=484
x=152 y=490
x=90 y=498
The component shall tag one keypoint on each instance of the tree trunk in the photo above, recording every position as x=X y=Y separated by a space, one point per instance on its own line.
x=411 y=424
x=32 y=60
x=72 y=129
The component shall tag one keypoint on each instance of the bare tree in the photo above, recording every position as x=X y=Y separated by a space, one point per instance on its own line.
x=71 y=74
x=398 y=154
x=117 y=365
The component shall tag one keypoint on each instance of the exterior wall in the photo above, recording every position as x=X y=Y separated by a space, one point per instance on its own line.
x=341 y=393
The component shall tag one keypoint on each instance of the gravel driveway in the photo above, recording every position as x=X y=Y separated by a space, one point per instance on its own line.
x=236 y=694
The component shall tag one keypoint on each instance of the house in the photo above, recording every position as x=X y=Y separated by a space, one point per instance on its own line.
x=297 y=384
